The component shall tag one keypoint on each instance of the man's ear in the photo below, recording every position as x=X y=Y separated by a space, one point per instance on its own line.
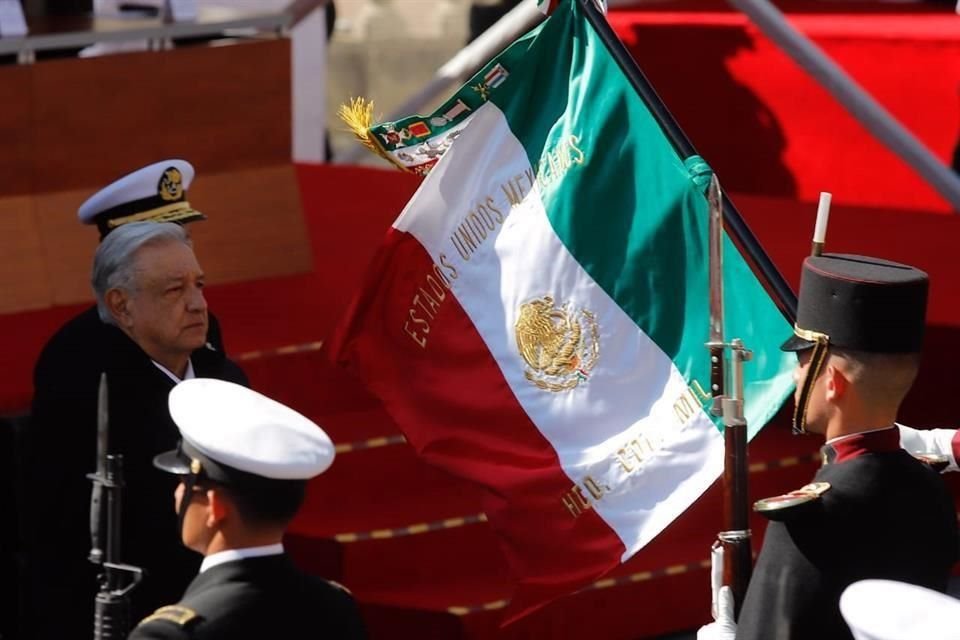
x=836 y=383
x=219 y=507
x=118 y=304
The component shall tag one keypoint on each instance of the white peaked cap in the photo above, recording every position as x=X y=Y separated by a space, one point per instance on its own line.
x=245 y=430
x=156 y=192
x=890 y=610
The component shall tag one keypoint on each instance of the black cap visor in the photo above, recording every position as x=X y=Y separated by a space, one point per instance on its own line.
x=175 y=462
x=796 y=343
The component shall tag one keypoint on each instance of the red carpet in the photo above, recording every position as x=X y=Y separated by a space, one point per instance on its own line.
x=767 y=128
x=409 y=539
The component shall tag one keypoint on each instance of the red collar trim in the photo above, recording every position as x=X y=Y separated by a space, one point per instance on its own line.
x=860 y=444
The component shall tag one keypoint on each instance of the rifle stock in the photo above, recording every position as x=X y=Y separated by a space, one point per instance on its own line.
x=737 y=553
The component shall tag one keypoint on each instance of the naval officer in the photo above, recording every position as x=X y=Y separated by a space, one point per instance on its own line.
x=243 y=465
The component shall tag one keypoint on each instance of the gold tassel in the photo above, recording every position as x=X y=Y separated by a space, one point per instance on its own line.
x=358 y=116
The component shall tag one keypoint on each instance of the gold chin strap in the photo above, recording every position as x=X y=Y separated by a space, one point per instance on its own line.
x=195 y=469
x=821 y=343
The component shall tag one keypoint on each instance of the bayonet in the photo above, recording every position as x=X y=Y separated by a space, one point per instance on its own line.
x=96 y=497
x=716 y=344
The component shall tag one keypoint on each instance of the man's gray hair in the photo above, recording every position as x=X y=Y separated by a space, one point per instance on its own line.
x=113 y=264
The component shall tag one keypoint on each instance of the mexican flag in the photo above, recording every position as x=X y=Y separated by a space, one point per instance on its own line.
x=536 y=317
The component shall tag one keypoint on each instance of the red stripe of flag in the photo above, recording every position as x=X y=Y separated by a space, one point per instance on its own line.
x=456 y=409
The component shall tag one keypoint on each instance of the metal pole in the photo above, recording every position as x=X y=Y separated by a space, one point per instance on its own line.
x=854 y=99
x=741 y=234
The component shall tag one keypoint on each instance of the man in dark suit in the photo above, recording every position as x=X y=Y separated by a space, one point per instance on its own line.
x=873 y=511
x=153 y=333
x=243 y=463
x=155 y=193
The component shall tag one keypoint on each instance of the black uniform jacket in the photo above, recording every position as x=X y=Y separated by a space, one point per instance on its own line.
x=886 y=515
x=257 y=598
x=60 y=450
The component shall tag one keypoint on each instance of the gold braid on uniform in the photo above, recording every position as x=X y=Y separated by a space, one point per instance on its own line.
x=180 y=616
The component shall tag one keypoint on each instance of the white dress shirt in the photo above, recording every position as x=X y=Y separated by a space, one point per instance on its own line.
x=229 y=555
x=188 y=374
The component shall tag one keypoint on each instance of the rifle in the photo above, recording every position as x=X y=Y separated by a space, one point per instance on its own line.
x=111 y=618
x=734 y=542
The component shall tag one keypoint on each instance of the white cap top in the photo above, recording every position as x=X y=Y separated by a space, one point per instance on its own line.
x=890 y=610
x=156 y=192
x=245 y=430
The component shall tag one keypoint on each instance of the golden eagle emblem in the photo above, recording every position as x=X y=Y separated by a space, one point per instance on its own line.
x=171 y=185
x=559 y=346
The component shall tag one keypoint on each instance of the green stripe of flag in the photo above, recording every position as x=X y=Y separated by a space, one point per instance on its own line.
x=631 y=213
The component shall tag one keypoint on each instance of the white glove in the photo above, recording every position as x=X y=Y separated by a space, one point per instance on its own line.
x=934 y=441
x=724 y=627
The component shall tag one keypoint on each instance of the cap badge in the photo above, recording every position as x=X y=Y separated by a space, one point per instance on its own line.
x=170 y=188
x=195 y=466
x=560 y=346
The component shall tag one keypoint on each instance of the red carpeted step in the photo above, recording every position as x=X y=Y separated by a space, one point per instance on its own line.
x=460 y=566
x=629 y=611
x=382 y=489
x=307 y=382
x=392 y=504
x=455 y=582
x=411 y=581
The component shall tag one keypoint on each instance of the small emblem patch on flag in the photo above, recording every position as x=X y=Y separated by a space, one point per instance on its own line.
x=454 y=111
x=495 y=76
x=419 y=129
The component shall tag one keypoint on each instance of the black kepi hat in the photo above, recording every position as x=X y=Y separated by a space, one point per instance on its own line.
x=857 y=303
x=860 y=303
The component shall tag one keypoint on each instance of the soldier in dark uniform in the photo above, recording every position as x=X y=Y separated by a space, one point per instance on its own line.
x=873 y=511
x=153 y=334
x=243 y=463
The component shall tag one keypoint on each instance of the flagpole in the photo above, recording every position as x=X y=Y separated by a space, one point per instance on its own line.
x=783 y=296
x=735 y=540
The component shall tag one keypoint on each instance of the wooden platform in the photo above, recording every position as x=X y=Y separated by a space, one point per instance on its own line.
x=69 y=127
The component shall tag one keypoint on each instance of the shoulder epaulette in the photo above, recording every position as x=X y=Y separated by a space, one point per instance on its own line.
x=340 y=587
x=180 y=616
x=938 y=463
x=790 y=505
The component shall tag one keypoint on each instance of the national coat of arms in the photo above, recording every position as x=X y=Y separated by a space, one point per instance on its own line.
x=560 y=346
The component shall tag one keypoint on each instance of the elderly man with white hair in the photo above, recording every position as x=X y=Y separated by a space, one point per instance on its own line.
x=149 y=291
